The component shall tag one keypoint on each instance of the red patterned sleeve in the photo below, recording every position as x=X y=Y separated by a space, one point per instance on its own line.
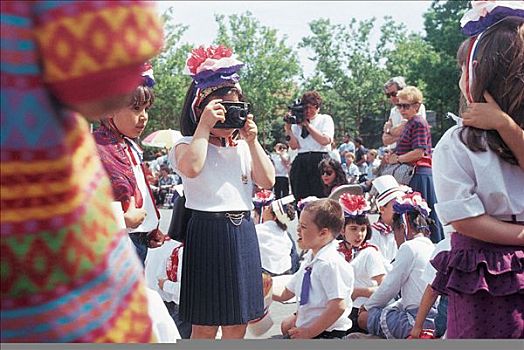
x=93 y=50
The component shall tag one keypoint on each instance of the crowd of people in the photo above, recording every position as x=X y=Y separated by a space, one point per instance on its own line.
x=370 y=256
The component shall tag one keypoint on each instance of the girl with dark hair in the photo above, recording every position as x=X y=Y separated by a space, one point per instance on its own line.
x=332 y=175
x=221 y=277
x=364 y=257
x=411 y=228
x=480 y=186
x=121 y=156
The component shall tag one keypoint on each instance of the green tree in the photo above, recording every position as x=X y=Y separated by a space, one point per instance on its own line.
x=348 y=75
x=442 y=25
x=171 y=80
x=271 y=68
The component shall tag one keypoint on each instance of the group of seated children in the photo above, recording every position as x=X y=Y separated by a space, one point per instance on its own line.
x=359 y=283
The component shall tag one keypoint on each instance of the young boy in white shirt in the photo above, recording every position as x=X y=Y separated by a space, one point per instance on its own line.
x=324 y=282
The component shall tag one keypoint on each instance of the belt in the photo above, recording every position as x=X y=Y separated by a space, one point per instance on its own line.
x=235 y=217
x=311 y=152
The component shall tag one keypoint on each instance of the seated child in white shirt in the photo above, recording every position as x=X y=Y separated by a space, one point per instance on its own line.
x=382 y=236
x=377 y=315
x=365 y=258
x=163 y=271
x=278 y=252
x=324 y=282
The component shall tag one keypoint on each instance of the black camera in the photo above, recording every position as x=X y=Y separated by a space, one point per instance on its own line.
x=297 y=113
x=236 y=115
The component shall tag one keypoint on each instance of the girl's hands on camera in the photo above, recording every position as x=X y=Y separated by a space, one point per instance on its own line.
x=250 y=130
x=213 y=112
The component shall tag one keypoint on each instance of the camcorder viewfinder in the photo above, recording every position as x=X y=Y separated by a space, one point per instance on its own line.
x=236 y=115
x=297 y=113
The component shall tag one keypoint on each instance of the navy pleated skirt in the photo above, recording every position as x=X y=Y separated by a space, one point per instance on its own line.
x=422 y=181
x=221 y=272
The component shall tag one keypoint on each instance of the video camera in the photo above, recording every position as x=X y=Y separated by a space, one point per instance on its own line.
x=236 y=115
x=297 y=113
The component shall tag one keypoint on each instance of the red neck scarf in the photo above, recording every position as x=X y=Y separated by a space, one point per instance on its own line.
x=351 y=252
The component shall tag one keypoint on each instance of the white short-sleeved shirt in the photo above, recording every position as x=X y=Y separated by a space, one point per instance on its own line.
x=386 y=244
x=275 y=247
x=280 y=169
x=366 y=265
x=155 y=267
x=429 y=272
x=220 y=185
x=332 y=277
x=323 y=123
x=470 y=184
x=405 y=276
x=151 y=220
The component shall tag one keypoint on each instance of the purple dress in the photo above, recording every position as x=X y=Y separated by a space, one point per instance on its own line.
x=485 y=287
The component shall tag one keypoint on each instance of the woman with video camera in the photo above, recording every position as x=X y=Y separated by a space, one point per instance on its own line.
x=311 y=134
x=221 y=270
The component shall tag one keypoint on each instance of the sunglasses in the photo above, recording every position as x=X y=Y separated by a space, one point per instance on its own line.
x=326 y=172
x=404 y=105
x=391 y=94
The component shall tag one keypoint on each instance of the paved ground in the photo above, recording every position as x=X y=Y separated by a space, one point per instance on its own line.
x=278 y=311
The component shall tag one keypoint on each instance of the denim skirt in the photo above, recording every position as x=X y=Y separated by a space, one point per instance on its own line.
x=221 y=271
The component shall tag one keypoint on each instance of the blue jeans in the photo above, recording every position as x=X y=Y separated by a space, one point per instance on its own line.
x=184 y=327
x=442 y=316
x=139 y=240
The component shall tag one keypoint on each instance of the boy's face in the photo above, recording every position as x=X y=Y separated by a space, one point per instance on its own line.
x=386 y=213
x=131 y=121
x=349 y=160
x=355 y=234
x=310 y=236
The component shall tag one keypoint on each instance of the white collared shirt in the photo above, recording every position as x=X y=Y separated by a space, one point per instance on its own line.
x=332 y=277
x=367 y=264
x=386 y=244
x=470 y=184
x=323 y=123
x=405 y=276
x=275 y=247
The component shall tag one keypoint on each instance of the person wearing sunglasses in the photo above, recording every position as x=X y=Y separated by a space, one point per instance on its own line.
x=332 y=175
x=395 y=125
x=414 y=147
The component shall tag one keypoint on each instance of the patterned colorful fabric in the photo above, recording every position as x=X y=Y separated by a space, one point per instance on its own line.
x=118 y=167
x=68 y=274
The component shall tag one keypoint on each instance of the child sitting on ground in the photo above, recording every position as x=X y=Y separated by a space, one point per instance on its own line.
x=324 y=282
x=377 y=315
x=278 y=251
x=365 y=258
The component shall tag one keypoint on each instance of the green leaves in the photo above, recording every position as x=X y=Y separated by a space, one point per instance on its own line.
x=350 y=71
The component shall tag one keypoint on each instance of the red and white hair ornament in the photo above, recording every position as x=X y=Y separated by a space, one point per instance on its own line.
x=212 y=68
x=354 y=205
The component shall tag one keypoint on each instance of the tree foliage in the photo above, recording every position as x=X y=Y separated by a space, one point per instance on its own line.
x=350 y=71
x=271 y=65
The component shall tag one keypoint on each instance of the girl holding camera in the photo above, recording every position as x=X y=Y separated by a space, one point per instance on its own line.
x=221 y=276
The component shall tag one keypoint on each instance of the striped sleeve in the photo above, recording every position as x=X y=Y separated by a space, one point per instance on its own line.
x=92 y=50
x=420 y=135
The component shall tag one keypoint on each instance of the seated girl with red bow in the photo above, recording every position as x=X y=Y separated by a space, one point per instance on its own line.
x=365 y=258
